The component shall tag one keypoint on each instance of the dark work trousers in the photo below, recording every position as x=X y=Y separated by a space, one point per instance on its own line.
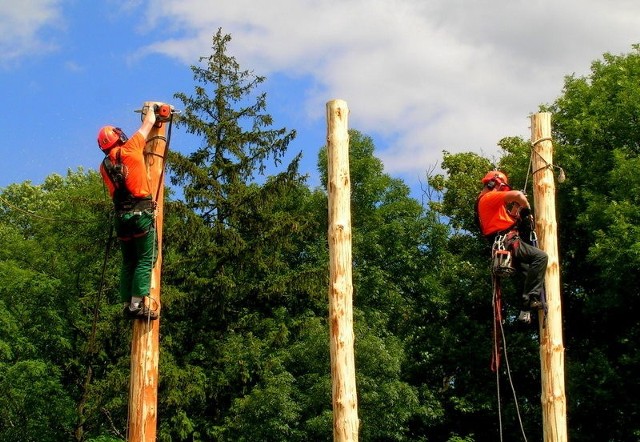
x=136 y=233
x=533 y=263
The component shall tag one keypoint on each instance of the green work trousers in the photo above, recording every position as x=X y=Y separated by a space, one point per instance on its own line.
x=136 y=233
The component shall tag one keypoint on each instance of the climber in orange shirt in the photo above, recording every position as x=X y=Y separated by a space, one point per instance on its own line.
x=125 y=175
x=496 y=220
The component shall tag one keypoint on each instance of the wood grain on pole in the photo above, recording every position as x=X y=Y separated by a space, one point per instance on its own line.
x=344 y=397
x=143 y=390
x=553 y=397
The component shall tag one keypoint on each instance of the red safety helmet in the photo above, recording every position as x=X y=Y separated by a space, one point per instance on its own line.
x=494 y=179
x=108 y=136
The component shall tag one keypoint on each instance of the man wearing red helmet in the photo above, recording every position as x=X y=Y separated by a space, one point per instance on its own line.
x=496 y=220
x=125 y=175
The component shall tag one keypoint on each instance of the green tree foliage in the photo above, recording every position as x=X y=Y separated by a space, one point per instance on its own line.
x=35 y=406
x=244 y=336
x=596 y=124
x=52 y=245
x=461 y=185
x=241 y=275
x=595 y=136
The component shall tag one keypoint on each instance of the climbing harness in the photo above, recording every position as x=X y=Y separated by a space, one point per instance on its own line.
x=123 y=200
x=501 y=261
x=501 y=267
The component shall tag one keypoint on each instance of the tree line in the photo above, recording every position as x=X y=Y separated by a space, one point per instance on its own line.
x=244 y=345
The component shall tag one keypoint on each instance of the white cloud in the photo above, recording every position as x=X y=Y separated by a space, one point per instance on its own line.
x=427 y=76
x=21 y=23
x=73 y=66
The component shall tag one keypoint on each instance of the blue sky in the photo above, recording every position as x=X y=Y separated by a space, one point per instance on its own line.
x=419 y=76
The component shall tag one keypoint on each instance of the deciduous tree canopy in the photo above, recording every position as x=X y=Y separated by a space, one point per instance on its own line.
x=244 y=333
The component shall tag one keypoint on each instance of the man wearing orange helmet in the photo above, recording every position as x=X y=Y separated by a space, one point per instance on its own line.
x=125 y=175
x=496 y=220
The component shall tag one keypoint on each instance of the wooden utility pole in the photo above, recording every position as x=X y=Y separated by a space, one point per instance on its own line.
x=343 y=377
x=143 y=388
x=554 y=403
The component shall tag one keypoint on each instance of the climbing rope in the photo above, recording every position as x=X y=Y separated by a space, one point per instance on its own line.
x=32 y=214
x=96 y=307
x=499 y=343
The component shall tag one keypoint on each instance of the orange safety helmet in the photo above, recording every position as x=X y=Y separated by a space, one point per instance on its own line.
x=108 y=136
x=496 y=178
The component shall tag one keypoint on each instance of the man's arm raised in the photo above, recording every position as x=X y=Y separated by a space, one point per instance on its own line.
x=515 y=196
x=148 y=122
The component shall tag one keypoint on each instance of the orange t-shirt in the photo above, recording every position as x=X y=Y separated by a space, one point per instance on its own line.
x=493 y=214
x=135 y=170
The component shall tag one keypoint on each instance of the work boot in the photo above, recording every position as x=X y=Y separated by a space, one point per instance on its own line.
x=525 y=316
x=536 y=304
x=142 y=311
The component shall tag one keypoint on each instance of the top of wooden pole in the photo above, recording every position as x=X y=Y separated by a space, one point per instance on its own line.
x=337 y=102
x=337 y=117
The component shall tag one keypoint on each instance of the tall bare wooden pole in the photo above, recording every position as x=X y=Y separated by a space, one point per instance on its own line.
x=343 y=377
x=143 y=389
x=554 y=403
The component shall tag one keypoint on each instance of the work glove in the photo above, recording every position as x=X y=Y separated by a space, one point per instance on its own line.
x=525 y=212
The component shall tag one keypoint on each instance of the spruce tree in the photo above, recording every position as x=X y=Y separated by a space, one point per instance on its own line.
x=224 y=179
x=231 y=249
